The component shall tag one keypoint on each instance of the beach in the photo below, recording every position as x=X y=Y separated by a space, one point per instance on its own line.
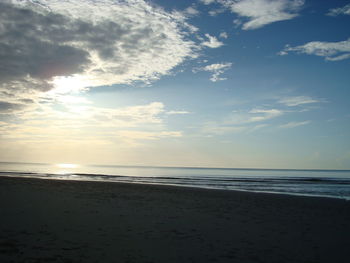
x=78 y=221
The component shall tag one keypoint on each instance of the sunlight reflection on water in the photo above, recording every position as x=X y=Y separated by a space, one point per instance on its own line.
x=66 y=168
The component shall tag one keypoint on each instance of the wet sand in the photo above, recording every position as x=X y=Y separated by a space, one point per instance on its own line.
x=69 y=221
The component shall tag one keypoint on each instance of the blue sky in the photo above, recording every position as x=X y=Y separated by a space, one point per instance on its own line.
x=213 y=83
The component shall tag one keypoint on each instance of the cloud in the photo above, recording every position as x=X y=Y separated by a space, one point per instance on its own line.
x=180 y=112
x=253 y=116
x=87 y=44
x=219 y=129
x=332 y=51
x=74 y=123
x=191 y=11
x=294 y=124
x=345 y=10
x=257 y=127
x=216 y=69
x=207 y=2
x=242 y=121
x=9 y=107
x=258 y=13
x=251 y=120
x=212 y=42
x=223 y=35
x=146 y=135
x=128 y=116
x=215 y=12
x=298 y=100
x=80 y=114
x=258 y=115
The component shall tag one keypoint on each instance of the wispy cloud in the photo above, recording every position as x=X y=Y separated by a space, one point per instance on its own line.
x=217 y=69
x=332 y=51
x=294 y=124
x=146 y=135
x=220 y=129
x=242 y=121
x=212 y=42
x=298 y=100
x=258 y=13
x=258 y=115
x=179 y=112
x=345 y=10
x=128 y=116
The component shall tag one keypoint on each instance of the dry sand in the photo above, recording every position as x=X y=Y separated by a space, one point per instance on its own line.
x=67 y=221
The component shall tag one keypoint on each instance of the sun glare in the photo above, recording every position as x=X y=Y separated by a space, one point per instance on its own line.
x=67 y=165
x=64 y=85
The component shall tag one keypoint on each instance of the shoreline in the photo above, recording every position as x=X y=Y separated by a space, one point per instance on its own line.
x=180 y=186
x=80 y=221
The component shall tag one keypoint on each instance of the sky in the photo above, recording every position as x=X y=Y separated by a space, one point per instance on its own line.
x=209 y=83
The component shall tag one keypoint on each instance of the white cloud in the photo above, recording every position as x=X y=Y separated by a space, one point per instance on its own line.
x=332 y=51
x=258 y=115
x=219 y=129
x=179 y=112
x=298 y=100
x=261 y=12
x=191 y=11
x=146 y=135
x=216 y=69
x=223 y=35
x=207 y=2
x=87 y=44
x=129 y=116
x=345 y=10
x=257 y=127
x=237 y=22
x=212 y=42
x=252 y=116
x=242 y=121
x=294 y=124
x=338 y=58
x=86 y=122
x=215 y=12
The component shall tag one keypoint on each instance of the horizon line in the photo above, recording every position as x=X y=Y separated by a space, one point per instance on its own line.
x=185 y=167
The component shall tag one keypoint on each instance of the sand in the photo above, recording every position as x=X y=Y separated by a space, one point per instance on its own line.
x=69 y=221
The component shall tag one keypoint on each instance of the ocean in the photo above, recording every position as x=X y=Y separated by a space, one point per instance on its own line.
x=323 y=183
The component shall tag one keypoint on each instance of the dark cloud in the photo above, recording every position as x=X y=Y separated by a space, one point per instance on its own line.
x=44 y=45
x=33 y=45
x=102 y=43
x=10 y=107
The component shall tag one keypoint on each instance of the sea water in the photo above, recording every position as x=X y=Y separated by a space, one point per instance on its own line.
x=324 y=183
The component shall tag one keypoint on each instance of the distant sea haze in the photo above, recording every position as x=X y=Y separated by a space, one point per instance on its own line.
x=322 y=183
